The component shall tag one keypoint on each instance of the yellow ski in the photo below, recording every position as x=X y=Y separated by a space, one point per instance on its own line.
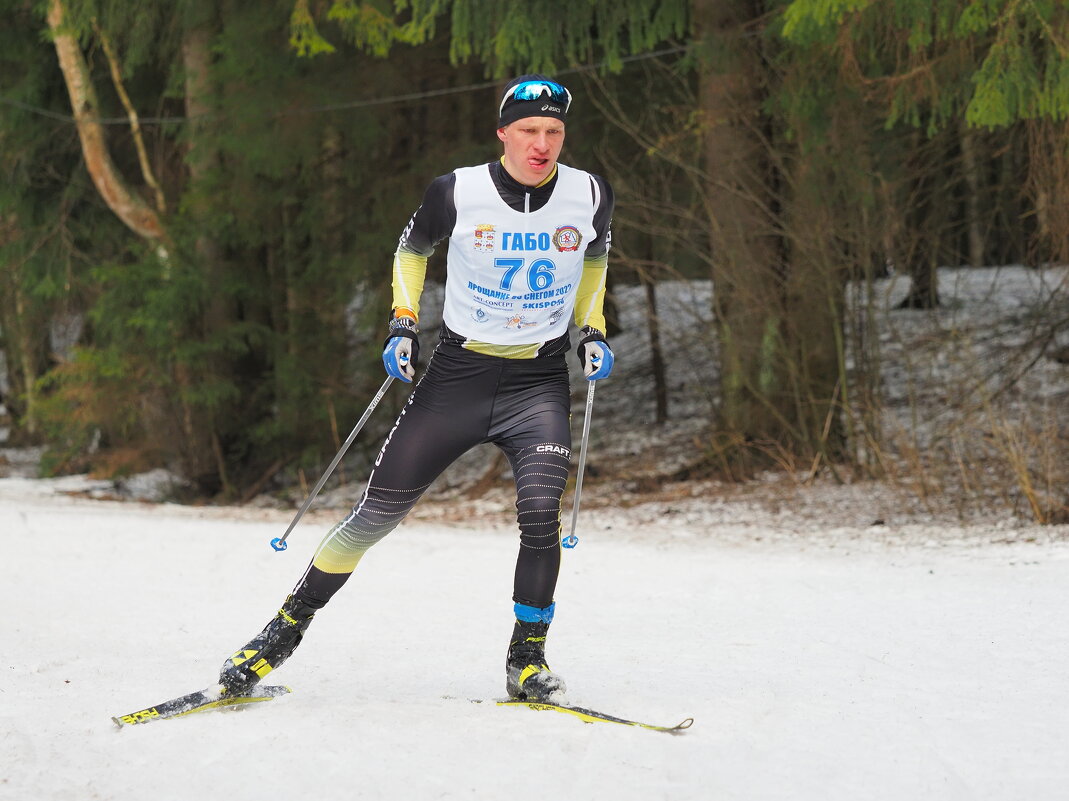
x=210 y=698
x=592 y=716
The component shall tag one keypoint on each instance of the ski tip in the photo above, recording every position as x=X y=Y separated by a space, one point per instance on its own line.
x=215 y=696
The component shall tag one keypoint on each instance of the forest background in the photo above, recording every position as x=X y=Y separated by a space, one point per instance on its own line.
x=199 y=202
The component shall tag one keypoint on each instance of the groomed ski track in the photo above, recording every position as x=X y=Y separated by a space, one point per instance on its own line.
x=812 y=671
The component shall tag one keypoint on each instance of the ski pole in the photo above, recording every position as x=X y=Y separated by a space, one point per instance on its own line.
x=279 y=543
x=572 y=540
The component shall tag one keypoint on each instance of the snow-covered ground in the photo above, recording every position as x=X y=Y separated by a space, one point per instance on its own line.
x=857 y=640
x=885 y=669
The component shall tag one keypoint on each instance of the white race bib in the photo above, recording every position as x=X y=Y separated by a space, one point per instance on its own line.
x=512 y=276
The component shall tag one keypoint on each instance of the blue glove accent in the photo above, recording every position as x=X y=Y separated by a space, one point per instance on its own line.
x=594 y=354
x=532 y=614
x=601 y=361
x=401 y=349
x=398 y=359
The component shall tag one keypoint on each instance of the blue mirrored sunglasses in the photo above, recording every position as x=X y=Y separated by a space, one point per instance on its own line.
x=533 y=90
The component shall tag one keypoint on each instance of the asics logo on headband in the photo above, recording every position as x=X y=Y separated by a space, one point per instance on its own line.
x=533 y=90
x=548 y=107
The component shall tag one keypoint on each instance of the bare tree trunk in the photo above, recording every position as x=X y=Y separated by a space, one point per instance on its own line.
x=972 y=199
x=777 y=276
x=202 y=160
x=1048 y=185
x=137 y=215
x=814 y=345
x=197 y=61
x=660 y=385
x=22 y=339
x=27 y=364
x=135 y=122
x=333 y=178
x=331 y=310
x=925 y=215
x=745 y=244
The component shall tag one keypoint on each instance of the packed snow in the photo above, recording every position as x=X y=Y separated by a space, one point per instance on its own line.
x=830 y=640
x=890 y=671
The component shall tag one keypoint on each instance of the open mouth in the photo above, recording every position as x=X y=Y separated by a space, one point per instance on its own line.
x=537 y=163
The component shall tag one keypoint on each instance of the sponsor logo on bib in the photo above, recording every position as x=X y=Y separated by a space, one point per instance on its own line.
x=567 y=238
x=519 y=321
x=484 y=238
x=491 y=303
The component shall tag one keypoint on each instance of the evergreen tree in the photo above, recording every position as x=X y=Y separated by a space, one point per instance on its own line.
x=219 y=336
x=964 y=67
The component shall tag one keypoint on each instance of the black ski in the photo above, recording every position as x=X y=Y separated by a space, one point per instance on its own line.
x=593 y=716
x=214 y=697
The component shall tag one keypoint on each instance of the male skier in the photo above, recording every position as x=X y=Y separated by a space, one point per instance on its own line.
x=528 y=246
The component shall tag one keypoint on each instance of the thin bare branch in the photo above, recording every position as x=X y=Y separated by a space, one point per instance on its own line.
x=135 y=124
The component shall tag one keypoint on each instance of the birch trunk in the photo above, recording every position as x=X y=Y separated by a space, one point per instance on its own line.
x=127 y=205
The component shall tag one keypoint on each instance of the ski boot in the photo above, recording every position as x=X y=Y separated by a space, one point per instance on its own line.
x=268 y=649
x=527 y=676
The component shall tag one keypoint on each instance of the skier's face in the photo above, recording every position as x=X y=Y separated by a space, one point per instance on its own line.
x=532 y=146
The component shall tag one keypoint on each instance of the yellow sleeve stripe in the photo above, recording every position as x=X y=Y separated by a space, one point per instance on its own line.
x=409 y=273
x=590 y=297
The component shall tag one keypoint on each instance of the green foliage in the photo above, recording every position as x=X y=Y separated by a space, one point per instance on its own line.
x=370 y=28
x=989 y=62
x=503 y=36
x=538 y=36
x=304 y=35
x=95 y=392
x=258 y=332
x=812 y=21
x=50 y=214
x=137 y=29
x=1025 y=73
x=288 y=255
